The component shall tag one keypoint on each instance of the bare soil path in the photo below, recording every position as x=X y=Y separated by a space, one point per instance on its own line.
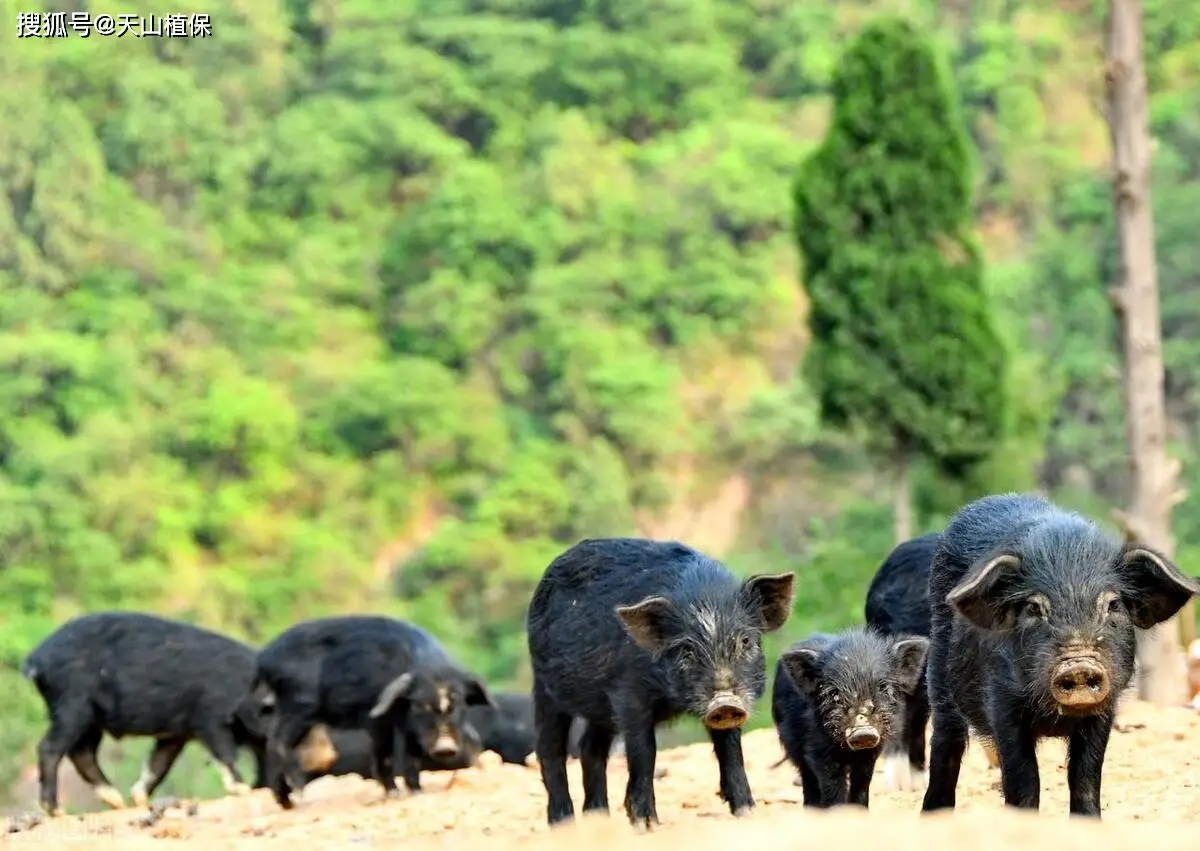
x=1151 y=801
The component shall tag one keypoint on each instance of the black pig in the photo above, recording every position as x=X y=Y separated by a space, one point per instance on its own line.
x=1033 y=617
x=836 y=702
x=291 y=664
x=506 y=728
x=630 y=633
x=898 y=604
x=383 y=675
x=133 y=674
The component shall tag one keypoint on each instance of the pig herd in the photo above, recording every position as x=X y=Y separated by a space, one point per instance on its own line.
x=1014 y=623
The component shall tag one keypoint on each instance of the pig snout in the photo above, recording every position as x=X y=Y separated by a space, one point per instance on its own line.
x=863 y=735
x=1079 y=683
x=444 y=747
x=726 y=712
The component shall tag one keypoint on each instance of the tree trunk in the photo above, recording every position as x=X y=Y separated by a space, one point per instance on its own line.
x=901 y=494
x=1162 y=677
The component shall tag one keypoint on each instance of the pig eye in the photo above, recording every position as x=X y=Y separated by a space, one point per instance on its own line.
x=744 y=645
x=1115 y=605
x=1035 y=609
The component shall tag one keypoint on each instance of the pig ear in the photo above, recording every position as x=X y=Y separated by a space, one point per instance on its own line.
x=1156 y=588
x=801 y=666
x=772 y=596
x=980 y=596
x=392 y=692
x=910 y=660
x=477 y=693
x=648 y=622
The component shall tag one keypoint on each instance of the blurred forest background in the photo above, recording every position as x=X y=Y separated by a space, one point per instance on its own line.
x=377 y=305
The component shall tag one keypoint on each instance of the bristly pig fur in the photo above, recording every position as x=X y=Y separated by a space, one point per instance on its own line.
x=630 y=633
x=836 y=702
x=1033 y=610
x=389 y=677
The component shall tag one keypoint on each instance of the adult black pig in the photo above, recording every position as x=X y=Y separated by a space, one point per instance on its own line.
x=386 y=676
x=629 y=633
x=1033 y=617
x=505 y=728
x=898 y=604
x=135 y=674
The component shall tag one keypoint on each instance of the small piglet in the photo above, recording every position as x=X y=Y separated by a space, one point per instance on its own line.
x=836 y=702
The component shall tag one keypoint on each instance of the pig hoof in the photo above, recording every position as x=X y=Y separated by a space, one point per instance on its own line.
x=797 y=780
x=743 y=811
x=240 y=789
x=110 y=797
x=57 y=812
x=138 y=795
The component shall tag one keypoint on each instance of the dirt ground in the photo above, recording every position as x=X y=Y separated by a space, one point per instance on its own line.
x=1151 y=796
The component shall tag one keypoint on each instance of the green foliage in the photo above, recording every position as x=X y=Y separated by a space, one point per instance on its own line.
x=903 y=341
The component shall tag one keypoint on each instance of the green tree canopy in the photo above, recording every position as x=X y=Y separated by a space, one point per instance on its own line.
x=903 y=340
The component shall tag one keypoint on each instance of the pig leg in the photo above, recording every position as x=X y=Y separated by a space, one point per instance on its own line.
x=641 y=749
x=946 y=749
x=83 y=757
x=408 y=767
x=916 y=718
x=553 y=731
x=735 y=787
x=277 y=779
x=1085 y=764
x=389 y=749
x=68 y=725
x=383 y=768
x=411 y=772
x=1017 y=748
x=594 y=748
x=260 y=768
x=220 y=743
x=165 y=752
x=861 y=771
x=292 y=724
x=810 y=785
x=832 y=782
